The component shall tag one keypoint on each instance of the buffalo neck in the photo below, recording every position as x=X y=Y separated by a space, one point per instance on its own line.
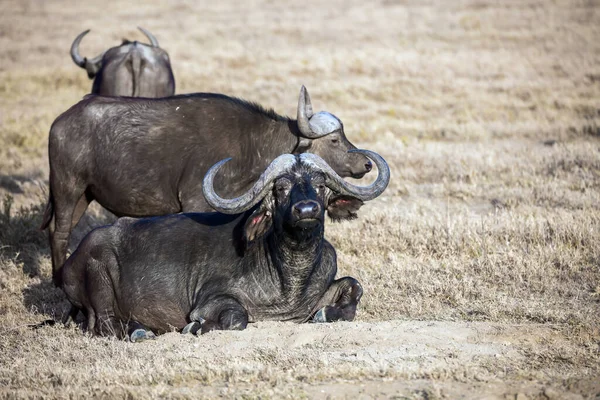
x=268 y=141
x=294 y=259
x=278 y=137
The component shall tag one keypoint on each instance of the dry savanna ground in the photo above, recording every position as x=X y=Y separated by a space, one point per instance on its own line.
x=480 y=263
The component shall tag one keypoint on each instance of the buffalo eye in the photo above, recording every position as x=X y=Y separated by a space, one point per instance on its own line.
x=335 y=141
x=318 y=183
x=282 y=188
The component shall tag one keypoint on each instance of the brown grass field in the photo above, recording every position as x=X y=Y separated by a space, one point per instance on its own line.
x=480 y=263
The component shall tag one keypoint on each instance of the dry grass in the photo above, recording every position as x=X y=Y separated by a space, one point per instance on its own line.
x=489 y=115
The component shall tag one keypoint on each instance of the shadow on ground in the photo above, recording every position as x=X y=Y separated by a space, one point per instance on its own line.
x=20 y=183
x=22 y=241
x=20 y=237
x=43 y=297
x=11 y=183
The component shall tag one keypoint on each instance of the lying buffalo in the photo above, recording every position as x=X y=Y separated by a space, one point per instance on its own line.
x=268 y=260
x=131 y=69
x=147 y=157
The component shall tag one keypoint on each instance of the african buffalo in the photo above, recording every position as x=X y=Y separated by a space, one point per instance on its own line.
x=146 y=157
x=131 y=69
x=268 y=260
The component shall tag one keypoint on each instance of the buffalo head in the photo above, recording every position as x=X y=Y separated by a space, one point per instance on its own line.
x=323 y=134
x=131 y=69
x=295 y=192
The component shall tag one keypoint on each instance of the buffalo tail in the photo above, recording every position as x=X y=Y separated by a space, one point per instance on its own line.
x=48 y=212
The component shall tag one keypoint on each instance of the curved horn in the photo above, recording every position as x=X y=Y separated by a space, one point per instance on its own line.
x=150 y=36
x=77 y=59
x=251 y=197
x=305 y=111
x=336 y=183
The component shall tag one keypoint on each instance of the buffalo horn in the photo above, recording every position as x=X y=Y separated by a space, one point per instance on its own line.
x=305 y=111
x=77 y=59
x=150 y=36
x=339 y=185
x=246 y=201
x=82 y=61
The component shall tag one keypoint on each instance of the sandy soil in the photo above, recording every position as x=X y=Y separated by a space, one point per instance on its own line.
x=400 y=359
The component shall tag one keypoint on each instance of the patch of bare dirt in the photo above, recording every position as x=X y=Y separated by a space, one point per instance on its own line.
x=414 y=359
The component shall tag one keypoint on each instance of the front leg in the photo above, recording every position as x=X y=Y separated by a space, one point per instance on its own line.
x=219 y=313
x=339 y=302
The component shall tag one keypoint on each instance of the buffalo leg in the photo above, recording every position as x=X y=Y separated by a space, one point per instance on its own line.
x=340 y=301
x=82 y=205
x=60 y=229
x=220 y=313
x=59 y=255
x=91 y=321
x=70 y=317
x=193 y=328
x=101 y=298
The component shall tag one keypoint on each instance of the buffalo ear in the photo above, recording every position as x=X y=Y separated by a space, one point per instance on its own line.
x=92 y=68
x=343 y=207
x=258 y=224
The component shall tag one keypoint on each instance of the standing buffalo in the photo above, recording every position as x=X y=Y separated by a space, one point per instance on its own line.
x=131 y=69
x=146 y=157
x=206 y=271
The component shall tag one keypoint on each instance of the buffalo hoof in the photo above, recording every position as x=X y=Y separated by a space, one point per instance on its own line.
x=320 y=316
x=334 y=313
x=208 y=326
x=139 y=335
x=193 y=328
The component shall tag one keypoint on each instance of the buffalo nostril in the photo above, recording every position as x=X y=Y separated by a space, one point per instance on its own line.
x=368 y=166
x=306 y=209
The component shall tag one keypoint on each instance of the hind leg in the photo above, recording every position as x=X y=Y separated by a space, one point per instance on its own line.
x=107 y=324
x=91 y=322
x=99 y=324
x=60 y=228
x=98 y=283
x=219 y=313
x=70 y=317
x=82 y=205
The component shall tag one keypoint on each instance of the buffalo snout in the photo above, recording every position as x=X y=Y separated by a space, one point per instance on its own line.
x=308 y=209
x=306 y=215
x=359 y=165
